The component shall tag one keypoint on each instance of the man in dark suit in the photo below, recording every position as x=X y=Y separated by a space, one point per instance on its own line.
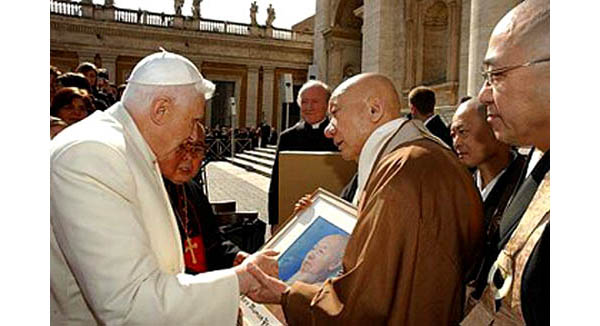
x=265 y=132
x=205 y=246
x=498 y=171
x=516 y=93
x=422 y=102
x=306 y=135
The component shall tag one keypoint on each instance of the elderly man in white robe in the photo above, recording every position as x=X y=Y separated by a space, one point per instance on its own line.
x=116 y=255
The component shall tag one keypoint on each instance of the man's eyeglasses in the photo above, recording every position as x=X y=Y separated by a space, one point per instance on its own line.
x=195 y=149
x=488 y=75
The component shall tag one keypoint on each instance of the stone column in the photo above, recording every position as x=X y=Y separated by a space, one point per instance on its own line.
x=484 y=16
x=208 y=106
x=267 y=97
x=109 y=61
x=465 y=30
x=334 y=61
x=319 y=50
x=453 y=33
x=378 y=36
x=207 y=114
x=251 y=96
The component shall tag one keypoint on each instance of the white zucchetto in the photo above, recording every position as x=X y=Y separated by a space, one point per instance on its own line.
x=169 y=69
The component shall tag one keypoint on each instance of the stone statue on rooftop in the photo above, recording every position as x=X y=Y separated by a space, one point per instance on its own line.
x=196 y=9
x=253 y=10
x=109 y=3
x=270 y=15
x=178 y=6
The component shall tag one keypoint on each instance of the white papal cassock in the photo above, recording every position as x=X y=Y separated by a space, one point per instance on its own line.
x=116 y=254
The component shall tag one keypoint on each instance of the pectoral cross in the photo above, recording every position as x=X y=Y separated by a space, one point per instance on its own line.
x=190 y=246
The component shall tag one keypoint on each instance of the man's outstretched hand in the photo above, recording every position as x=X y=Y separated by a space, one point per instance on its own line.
x=263 y=261
x=269 y=289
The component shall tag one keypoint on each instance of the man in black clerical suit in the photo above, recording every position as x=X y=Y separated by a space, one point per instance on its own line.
x=516 y=93
x=422 y=102
x=306 y=135
x=497 y=174
x=205 y=247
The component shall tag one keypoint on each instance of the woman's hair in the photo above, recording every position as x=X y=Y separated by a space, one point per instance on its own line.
x=84 y=67
x=74 y=79
x=65 y=97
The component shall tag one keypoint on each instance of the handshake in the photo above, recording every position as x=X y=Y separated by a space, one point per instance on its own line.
x=258 y=277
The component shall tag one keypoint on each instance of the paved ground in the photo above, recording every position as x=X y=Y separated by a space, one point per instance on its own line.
x=229 y=182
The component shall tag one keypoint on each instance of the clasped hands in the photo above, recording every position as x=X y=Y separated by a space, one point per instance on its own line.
x=258 y=274
x=258 y=277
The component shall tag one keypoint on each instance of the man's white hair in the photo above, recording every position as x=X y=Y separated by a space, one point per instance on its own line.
x=138 y=96
x=311 y=84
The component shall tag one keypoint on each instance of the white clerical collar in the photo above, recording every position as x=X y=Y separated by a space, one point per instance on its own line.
x=317 y=125
x=535 y=158
x=488 y=188
x=368 y=153
x=429 y=119
x=485 y=191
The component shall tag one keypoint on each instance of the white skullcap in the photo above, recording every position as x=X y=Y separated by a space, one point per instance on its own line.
x=166 y=68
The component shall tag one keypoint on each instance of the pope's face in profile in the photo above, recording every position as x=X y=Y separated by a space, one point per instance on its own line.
x=325 y=256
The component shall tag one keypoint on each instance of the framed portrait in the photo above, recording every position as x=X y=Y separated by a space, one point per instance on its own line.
x=311 y=246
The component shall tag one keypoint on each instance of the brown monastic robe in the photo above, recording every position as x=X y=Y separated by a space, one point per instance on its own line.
x=419 y=229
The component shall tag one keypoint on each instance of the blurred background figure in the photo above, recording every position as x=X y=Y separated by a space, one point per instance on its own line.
x=205 y=247
x=120 y=90
x=273 y=138
x=90 y=72
x=54 y=73
x=56 y=125
x=69 y=105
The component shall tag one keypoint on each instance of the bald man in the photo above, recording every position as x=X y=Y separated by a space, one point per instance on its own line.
x=516 y=93
x=419 y=221
x=498 y=168
x=497 y=175
x=323 y=260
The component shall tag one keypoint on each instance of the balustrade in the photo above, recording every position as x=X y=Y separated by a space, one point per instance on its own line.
x=65 y=8
x=128 y=16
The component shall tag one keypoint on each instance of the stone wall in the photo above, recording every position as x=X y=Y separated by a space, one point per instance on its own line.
x=118 y=39
x=438 y=43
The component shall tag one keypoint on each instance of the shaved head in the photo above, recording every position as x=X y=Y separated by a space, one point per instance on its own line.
x=472 y=137
x=524 y=31
x=518 y=98
x=359 y=106
x=370 y=86
x=470 y=107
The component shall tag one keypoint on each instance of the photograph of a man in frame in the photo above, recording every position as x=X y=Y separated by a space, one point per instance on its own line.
x=316 y=255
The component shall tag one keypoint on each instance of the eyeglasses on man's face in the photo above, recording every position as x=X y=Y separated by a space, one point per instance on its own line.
x=489 y=76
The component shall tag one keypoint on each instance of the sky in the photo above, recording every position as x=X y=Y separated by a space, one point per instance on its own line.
x=287 y=12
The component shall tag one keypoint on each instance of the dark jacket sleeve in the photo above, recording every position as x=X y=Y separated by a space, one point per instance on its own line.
x=273 y=200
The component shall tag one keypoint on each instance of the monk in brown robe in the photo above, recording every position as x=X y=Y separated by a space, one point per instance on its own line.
x=419 y=222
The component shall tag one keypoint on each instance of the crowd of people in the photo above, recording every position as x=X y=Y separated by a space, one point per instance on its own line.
x=75 y=95
x=453 y=224
x=261 y=135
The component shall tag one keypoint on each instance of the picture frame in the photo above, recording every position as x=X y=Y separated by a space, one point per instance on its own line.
x=311 y=245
